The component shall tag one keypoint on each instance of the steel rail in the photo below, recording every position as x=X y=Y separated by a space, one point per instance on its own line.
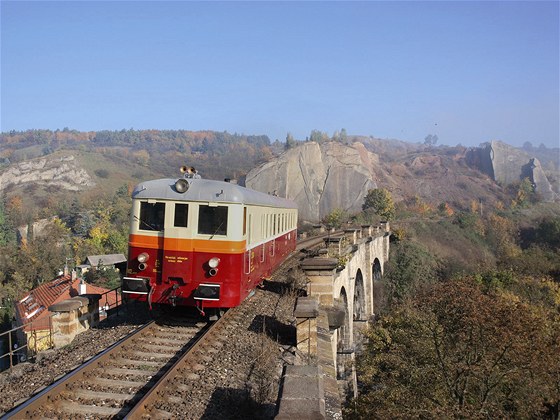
x=153 y=394
x=47 y=396
x=42 y=396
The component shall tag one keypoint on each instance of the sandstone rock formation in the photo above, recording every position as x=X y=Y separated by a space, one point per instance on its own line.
x=58 y=172
x=508 y=165
x=319 y=177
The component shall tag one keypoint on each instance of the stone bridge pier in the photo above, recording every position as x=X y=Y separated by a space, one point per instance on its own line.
x=343 y=288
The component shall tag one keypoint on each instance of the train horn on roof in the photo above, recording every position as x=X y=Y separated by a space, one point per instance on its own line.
x=189 y=172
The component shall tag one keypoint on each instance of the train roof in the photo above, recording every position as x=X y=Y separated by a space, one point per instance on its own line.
x=207 y=190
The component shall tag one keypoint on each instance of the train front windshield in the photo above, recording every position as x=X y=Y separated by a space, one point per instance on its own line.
x=152 y=216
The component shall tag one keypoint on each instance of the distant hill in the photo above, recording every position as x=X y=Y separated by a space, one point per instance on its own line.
x=216 y=154
x=322 y=176
x=45 y=167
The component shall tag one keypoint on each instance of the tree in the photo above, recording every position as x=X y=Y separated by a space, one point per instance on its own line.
x=457 y=352
x=335 y=218
x=502 y=234
x=409 y=269
x=548 y=232
x=336 y=136
x=525 y=193
x=318 y=136
x=431 y=140
x=290 y=142
x=381 y=202
x=40 y=259
x=7 y=233
x=445 y=209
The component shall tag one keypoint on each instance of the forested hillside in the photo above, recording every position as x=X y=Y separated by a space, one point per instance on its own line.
x=468 y=325
x=216 y=154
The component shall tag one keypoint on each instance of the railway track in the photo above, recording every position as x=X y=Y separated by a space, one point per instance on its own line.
x=154 y=372
x=111 y=383
x=159 y=402
x=314 y=241
x=216 y=371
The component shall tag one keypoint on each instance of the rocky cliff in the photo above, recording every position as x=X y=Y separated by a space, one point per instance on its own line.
x=60 y=172
x=319 y=177
x=508 y=165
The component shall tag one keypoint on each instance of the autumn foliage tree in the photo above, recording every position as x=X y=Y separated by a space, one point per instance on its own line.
x=380 y=201
x=335 y=218
x=456 y=351
x=502 y=233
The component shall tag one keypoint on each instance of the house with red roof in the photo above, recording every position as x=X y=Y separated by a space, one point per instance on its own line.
x=32 y=311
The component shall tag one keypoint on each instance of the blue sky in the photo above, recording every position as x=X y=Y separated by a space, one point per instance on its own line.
x=469 y=72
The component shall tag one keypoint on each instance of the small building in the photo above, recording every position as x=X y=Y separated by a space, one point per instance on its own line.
x=32 y=312
x=115 y=261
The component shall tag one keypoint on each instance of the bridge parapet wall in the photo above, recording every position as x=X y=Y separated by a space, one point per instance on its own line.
x=340 y=305
x=74 y=316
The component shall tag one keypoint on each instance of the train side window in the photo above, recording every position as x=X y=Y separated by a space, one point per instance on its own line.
x=181 y=215
x=212 y=220
x=244 y=220
x=152 y=216
x=266 y=235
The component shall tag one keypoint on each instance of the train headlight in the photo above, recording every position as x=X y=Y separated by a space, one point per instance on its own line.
x=181 y=185
x=213 y=263
x=143 y=257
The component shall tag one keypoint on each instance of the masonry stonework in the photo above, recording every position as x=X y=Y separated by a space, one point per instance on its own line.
x=74 y=316
x=339 y=307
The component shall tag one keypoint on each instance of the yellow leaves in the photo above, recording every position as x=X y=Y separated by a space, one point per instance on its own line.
x=554 y=290
x=98 y=234
x=398 y=234
x=502 y=233
x=60 y=225
x=475 y=206
x=381 y=202
x=422 y=207
x=508 y=296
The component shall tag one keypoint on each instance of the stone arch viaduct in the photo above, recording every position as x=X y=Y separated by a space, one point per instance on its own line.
x=343 y=288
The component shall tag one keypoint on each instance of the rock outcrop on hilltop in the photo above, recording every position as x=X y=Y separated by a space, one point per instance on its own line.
x=507 y=165
x=319 y=177
x=61 y=172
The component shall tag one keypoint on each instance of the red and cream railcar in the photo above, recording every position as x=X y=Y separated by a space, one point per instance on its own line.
x=204 y=243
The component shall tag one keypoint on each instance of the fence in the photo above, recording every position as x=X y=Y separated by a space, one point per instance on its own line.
x=110 y=302
x=38 y=335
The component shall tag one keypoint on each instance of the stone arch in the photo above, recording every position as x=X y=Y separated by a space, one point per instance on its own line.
x=359 y=317
x=359 y=298
x=377 y=271
x=377 y=275
x=343 y=347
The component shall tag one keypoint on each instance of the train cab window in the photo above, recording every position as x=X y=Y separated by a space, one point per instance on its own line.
x=181 y=215
x=212 y=220
x=152 y=216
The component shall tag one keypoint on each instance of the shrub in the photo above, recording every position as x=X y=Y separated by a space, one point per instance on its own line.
x=102 y=173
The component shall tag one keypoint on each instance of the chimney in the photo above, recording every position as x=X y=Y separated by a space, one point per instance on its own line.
x=82 y=287
x=66 y=269
x=74 y=275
